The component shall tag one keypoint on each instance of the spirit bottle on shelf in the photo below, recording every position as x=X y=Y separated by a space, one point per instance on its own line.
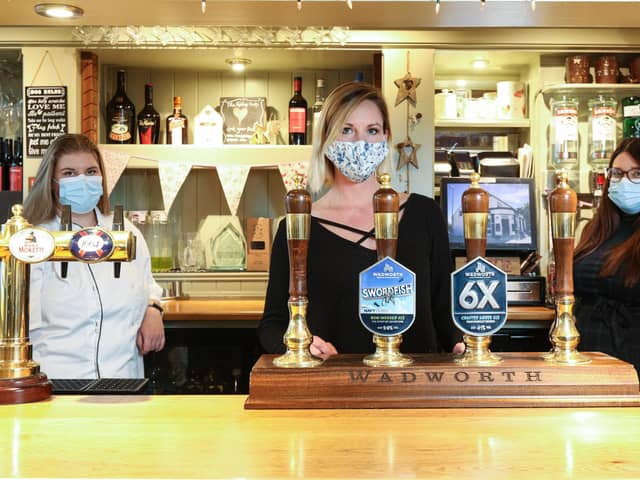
x=149 y=119
x=602 y=130
x=121 y=115
x=297 y=115
x=316 y=108
x=177 y=124
x=631 y=117
x=15 y=168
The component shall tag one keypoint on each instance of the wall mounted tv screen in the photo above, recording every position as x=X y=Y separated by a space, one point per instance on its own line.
x=512 y=222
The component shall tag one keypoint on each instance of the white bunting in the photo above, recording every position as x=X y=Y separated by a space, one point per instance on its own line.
x=233 y=179
x=289 y=171
x=114 y=165
x=172 y=175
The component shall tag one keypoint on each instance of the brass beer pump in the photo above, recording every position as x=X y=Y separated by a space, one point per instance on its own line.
x=386 y=205
x=20 y=245
x=298 y=338
x=475 y=214
x=564 y=335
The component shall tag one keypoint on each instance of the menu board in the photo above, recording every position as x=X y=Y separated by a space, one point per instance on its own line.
x=46 y=117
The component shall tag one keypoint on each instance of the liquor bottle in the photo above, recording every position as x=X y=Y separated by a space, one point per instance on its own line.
x=177 y=124
x=148 y=119
x=297 y=115
x=563 y=135
x=7 y=160
x=15 y=168
x=121 y=115
x=631 y=117
x=602 y=130
x=316 y=108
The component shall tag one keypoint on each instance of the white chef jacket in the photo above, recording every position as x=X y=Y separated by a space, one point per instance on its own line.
x=85 y=325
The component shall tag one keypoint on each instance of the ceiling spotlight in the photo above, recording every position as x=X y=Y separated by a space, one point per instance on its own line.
x=480 y=63
x=238 y=64
x=58 y=10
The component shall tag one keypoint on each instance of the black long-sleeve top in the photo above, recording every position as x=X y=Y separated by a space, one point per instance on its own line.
x=334 y=265
x=607 y=312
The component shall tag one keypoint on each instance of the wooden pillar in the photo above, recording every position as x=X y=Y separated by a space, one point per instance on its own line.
x=89 y=95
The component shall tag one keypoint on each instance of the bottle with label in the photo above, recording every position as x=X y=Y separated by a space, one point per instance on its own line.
x=297 y=115
x=316 y=108
x=1 y=164
x=177 y=125
x=7 y=160
x=631 y=117
x=149 y=119
x=602 y=130
x=563 y=133
x=15 y=168
x=121 y=115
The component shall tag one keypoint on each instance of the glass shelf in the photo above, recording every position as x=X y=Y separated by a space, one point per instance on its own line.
x=464 y=123
x=586 y=90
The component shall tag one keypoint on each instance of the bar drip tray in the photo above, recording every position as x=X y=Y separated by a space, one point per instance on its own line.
x=106 y=386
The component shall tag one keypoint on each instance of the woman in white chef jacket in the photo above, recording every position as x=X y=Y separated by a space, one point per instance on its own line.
x=89 y=324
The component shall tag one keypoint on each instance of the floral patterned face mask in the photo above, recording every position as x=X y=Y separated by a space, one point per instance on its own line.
x=357 y=160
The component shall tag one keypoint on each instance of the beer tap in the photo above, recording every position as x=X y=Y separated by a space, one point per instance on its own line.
x=22 y=244
x=386 y=205
x=563 y=206
x=118 y=226
x=65 y=226
x=475 y=213
x=298 y=338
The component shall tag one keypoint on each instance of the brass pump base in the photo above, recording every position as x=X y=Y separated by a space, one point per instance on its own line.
x=387 y=353
x=477 y=352
x=297 y=338
x=565 y=336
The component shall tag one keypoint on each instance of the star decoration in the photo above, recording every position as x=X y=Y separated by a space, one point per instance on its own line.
x=407 y=89
x=408 y=151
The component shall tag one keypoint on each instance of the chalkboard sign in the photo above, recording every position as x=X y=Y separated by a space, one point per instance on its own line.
x=46 y=117
x=243 y=117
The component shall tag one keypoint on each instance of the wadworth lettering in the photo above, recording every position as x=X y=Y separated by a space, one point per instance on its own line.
x=435 y=377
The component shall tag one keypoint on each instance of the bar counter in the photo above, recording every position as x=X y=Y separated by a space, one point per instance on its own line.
x=245 y=312
x=214 y=437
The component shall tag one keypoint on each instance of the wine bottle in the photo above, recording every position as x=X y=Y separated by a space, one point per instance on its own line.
x=148 y=119
x=15 y=168
x=177 y=124
x=297 y=115
x=316 y=108
x=7 y=160
x=1 y=164
x=121 y=115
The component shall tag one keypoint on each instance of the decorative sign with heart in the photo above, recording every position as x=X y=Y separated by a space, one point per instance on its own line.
x=241 y=117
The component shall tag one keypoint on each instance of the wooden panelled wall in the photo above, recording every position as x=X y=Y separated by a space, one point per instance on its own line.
x=201 y=194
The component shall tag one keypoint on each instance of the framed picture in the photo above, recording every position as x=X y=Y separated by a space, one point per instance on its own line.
x=243 y=117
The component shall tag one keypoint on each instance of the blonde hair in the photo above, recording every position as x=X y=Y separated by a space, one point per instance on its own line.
x=338 y=106
x=42 y=203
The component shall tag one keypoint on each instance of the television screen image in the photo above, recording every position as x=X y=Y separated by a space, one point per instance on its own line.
x=512 y=216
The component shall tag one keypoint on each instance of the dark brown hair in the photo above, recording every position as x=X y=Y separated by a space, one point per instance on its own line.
x=606 y=221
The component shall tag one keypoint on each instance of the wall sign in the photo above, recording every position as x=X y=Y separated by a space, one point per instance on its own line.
x=46 y=117
x=243 y=118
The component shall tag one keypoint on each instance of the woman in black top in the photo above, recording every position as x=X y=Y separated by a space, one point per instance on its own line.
x=351 y=142
x=607 y=263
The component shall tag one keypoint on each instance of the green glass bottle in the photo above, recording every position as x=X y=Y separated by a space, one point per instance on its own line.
x=631 y=117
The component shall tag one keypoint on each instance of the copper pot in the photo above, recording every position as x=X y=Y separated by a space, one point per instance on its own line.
x=577 y=69
x=607 y=70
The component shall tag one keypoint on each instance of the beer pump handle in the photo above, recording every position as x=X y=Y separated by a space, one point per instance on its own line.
x=65 y=226
x=118 y=226
x=563 y=204
x=475 y=212
x=386 y=204
x=298 y=209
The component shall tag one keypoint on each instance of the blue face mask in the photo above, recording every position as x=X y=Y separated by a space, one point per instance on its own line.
x=626 y=195
x=81 y=192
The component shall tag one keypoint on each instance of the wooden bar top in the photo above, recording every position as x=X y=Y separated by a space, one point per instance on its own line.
x=250 y=309
x=214 y=437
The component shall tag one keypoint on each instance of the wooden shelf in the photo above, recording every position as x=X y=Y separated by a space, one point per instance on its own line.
x=261 y=156
x=583 y=91
x=464 y=123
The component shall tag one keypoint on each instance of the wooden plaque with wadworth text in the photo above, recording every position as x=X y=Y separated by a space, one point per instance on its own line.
x=435 y=381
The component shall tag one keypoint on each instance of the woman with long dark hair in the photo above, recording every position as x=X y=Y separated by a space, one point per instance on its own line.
x=607 y=263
